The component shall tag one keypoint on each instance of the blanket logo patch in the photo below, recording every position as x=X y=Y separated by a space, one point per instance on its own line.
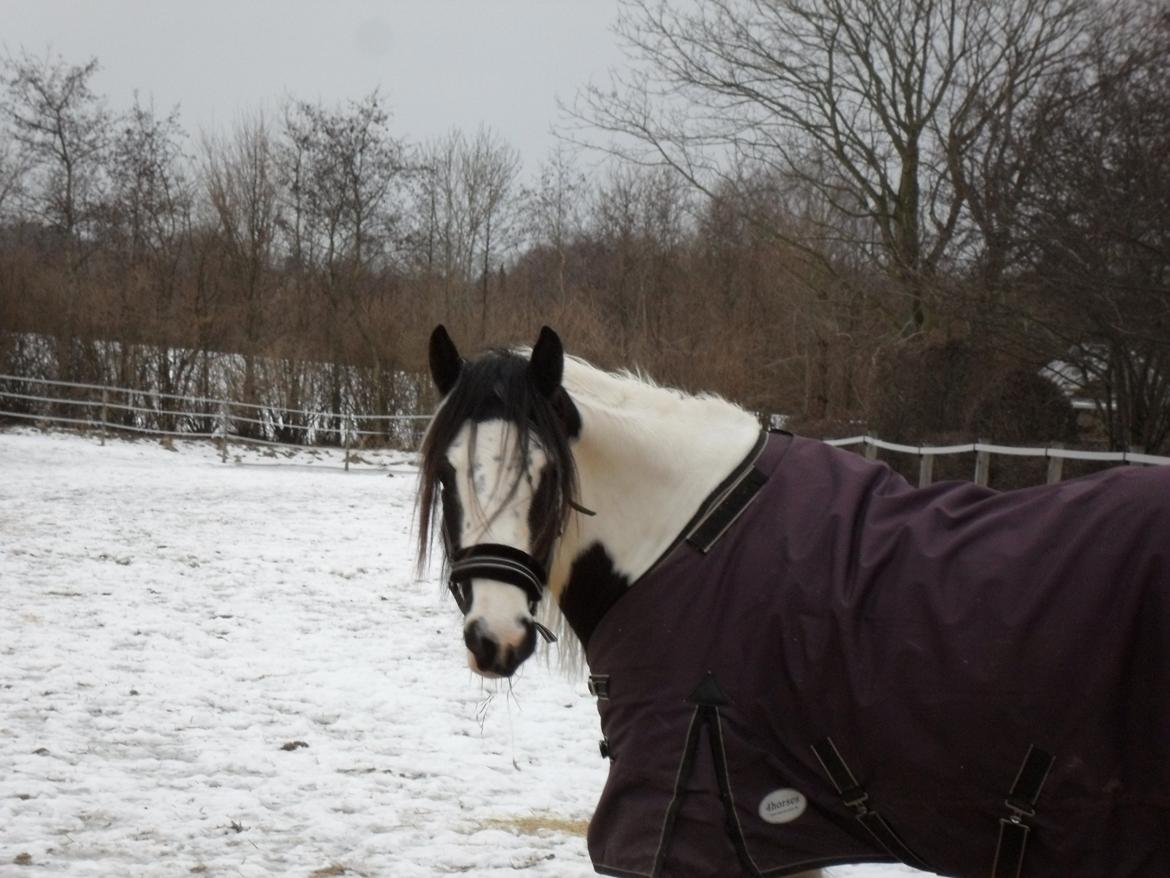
x=782 y=806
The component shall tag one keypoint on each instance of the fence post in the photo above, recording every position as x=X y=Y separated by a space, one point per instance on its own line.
x=982 y=466
x=925 y=470
x=348 y=443
x=223 y=430
x=1055 y=466
x=870 y=449
x=105 y=402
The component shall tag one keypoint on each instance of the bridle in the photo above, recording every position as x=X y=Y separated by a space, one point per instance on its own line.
x=499 y=563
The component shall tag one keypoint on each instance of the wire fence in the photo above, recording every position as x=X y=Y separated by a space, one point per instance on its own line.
x=109 y=410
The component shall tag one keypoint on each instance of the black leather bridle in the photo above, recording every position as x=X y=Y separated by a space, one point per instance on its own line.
x=499 y=563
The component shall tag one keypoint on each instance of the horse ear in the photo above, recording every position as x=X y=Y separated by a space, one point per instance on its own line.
x=547 y=365
x=446 y=364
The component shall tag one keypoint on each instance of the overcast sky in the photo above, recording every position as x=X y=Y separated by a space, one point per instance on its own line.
x=440 y=63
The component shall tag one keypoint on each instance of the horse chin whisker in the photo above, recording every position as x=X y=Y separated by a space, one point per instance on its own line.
x=486 y=674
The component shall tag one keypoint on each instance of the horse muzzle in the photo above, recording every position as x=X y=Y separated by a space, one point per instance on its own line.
x=496 y=650
x=490 y=656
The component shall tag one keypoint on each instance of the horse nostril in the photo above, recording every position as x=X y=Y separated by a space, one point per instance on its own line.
x=482 y=646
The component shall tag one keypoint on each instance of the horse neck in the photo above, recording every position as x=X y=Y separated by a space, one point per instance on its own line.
x=646 y=459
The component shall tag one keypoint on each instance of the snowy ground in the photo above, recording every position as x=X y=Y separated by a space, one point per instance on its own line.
x=231 y=669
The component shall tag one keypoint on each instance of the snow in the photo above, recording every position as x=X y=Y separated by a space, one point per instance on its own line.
x=232 y=669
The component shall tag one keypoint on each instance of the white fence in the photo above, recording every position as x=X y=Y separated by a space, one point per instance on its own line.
x=117 y=409
x=1054 y=454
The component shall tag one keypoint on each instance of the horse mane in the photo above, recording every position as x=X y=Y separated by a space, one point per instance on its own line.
x=630 y=405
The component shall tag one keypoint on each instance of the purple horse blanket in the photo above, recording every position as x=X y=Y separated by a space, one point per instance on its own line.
x=853 y=646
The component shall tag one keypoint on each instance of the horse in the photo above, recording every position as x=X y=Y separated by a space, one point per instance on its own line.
x=799 y=659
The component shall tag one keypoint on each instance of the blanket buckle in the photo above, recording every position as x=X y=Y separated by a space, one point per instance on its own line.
x=857 y=799
x=599 y=686
x=854 y=796
x=1019 y=809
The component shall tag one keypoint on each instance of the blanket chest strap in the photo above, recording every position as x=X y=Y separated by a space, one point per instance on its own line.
x=854 y=796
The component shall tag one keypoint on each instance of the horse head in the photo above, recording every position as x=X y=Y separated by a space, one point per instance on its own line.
x=498 y=482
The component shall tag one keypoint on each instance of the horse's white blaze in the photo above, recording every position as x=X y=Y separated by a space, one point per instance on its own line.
x=495 y=496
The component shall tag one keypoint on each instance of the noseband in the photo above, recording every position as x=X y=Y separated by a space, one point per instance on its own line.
x=499 y=563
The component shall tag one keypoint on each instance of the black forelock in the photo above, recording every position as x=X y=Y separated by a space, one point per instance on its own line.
x=497 y=385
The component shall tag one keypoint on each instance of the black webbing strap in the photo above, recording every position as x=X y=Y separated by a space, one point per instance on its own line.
x=1021 y=801
x=706 y=717
x=685 y=769
x=857 y=800
x=708 y=697
x=730 y=507
x=728 y=501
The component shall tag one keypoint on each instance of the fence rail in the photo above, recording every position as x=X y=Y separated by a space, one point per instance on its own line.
x=1054 y=454
x=107 y=409
x=90 y=405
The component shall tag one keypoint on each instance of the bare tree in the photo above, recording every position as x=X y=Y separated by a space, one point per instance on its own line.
x=1096 y=230
x=13 y=167
x=340 y=167
x=878 y=106
x=444 y=226
x=641 y=219
x=62 y=127
x=554 y=210
x=148 y=228
x=490 y=168
x=466 y=204
x=341 y=172
x=240 y=179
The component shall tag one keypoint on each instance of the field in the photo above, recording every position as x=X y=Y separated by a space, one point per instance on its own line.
x=232 y=669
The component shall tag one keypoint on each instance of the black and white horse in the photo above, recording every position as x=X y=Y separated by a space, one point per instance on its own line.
x=800 y=660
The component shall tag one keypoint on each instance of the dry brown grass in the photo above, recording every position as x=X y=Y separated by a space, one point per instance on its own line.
x=537 y=824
